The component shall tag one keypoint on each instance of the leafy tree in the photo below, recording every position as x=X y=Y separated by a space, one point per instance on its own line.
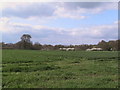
x=26 y=38
x=104 y=45
x=37 y=46
x=113 y=45
x=25 y=42
x=47 y=47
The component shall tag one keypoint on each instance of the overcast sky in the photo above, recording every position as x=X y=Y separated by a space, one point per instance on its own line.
x=60 y=23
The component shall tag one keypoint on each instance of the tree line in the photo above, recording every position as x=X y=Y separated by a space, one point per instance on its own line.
x=25 y=43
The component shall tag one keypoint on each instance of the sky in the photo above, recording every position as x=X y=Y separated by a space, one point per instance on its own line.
x=59 y=22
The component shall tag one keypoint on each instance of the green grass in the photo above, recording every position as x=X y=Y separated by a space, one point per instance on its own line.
x=59 y=69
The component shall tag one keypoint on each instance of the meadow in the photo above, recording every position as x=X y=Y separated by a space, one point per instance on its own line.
x=59 y=69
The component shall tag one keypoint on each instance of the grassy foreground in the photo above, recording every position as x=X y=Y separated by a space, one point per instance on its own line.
x=59 y=69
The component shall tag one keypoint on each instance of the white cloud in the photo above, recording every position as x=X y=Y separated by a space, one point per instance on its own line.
x=74 y=10
x=62 y=12
x=5 y=25
x=77 y=10
x=8 y=27
x=98 y=32
x=29 y=10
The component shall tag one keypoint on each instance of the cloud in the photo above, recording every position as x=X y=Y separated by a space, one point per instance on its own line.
x=79 y=10
x=95 y=32
x=90 y=7
x=74 y=10
x=53 y=35
x=6 y=26
x=29 y=10
x=77 y=5
x=63 y=13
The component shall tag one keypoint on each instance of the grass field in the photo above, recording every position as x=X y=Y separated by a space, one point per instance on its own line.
x=59 y=69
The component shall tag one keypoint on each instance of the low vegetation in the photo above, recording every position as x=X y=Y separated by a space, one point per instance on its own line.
x=59 y=69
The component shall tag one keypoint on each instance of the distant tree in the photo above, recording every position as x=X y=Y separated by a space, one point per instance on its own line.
x=104 y=45
x=83 y=47
x=71 y=46
x=37 y=46
x=56 y=47
x=47 y=47
x=26 y=38
x=7 y=46
x=113 y=45
x=25 y=42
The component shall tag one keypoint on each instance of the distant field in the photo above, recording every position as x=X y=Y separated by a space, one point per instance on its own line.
x=59 y=69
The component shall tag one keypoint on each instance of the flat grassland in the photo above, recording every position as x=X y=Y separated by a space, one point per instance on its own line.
x=59 y=69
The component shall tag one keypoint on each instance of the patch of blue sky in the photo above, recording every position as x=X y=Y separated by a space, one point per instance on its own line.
x=103 y=18
x=106 y=17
